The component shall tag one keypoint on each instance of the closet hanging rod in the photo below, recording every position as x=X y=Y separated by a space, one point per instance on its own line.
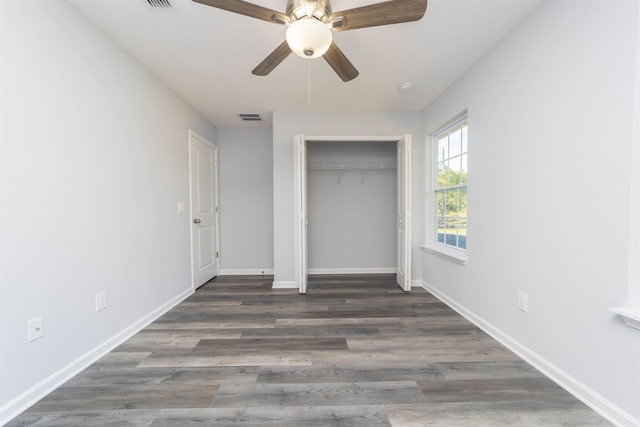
x=352 y=167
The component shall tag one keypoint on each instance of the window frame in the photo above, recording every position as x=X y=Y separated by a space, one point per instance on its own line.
x=432 y=245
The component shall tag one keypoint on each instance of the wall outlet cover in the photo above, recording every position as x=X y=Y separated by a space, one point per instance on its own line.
x=35 y=328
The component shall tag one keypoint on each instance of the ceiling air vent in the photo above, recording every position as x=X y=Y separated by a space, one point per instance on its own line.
x=250 y=117
x=160 y=4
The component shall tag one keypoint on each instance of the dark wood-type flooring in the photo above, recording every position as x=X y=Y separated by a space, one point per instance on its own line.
x=354 y=351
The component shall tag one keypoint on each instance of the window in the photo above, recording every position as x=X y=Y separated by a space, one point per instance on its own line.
x=450 y=185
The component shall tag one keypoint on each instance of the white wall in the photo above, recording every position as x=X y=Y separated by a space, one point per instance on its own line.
x=94 y=162
x=246 y=200
x=351 y=213
x=286 y=124
x=550 y=128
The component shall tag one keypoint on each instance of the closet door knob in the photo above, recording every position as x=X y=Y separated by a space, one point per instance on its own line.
x=196 y=221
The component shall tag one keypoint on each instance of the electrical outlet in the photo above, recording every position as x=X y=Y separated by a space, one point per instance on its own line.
x=523 y=302
x=101 y=301
x=180 y=207
x=35 y=329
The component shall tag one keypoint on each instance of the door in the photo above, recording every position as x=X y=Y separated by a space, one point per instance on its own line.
x=300 y=203
x=403 y=275
x=203 y=167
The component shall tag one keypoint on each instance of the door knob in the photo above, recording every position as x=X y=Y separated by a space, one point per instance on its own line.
x=196 y=221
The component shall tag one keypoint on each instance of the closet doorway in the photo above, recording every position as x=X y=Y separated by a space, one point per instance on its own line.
x=352 y=206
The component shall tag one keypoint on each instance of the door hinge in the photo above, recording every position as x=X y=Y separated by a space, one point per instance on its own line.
x=217 y=254
x=216 y=209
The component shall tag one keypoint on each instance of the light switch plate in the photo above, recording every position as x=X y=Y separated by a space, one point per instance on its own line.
x=523 y=302
x=101 y=301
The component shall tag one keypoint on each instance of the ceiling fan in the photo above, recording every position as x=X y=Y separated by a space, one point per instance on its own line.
x=312 y=23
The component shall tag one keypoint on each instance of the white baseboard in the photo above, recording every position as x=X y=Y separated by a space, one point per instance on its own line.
x=246 y=271
x=389 y=270
x=23 y=401
x=284 y=285
x=588 y=396
x=417 y=284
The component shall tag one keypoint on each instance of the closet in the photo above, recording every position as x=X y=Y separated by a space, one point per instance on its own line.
x=352 y=206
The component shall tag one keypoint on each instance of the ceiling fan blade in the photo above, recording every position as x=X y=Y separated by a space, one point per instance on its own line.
x=340 y=64
x=247 y=9
x=385 y=13
x=273 y=60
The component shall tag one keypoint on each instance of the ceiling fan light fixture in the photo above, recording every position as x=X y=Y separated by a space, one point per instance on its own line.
x=309 y=38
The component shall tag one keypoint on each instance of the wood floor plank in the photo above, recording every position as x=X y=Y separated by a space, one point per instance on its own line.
x=265 y=345
x=84 y=418
x=117 y=359
x=356 y=350
x=410 y=355
x=286 y=358
x=206 y=323
x=334 y=374
x=318 y=394
x=430 y=342
x=340 y=321
x=309 y=416
x=208 y=375
x=493 y=390
x=487 y=370
x=313 y=331
x=523 y=414
x=130 y=396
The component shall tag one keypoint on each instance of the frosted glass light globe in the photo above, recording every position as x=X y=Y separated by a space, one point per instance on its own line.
x=309 y=38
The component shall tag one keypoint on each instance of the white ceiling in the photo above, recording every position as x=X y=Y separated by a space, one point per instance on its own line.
x=206 y=55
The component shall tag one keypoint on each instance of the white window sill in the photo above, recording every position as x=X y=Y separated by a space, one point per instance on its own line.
x=631 y=316
x=445 y=252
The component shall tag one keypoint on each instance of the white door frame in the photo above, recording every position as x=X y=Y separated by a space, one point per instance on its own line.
x=192 y=137
x=300 y=212
x=300 y=196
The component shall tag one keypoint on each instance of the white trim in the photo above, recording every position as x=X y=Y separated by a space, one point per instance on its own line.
x=452 y=254
x=631 y=310
x=390 y=270
x=24 y=400
x=246 y=271
x=328 y=138
x=284 y=284
x=631 y=316
x=194 y=135
x=430 y=236
x=591 y=398
x=300 y=258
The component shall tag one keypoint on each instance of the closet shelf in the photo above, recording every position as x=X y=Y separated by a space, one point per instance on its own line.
x=352 y=167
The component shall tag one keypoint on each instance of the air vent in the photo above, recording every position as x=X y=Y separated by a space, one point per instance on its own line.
x=250 y=117
x=159 y=4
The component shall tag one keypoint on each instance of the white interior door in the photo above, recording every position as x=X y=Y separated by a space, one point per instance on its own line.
x=403 y=275
x=300 y=201
x=203 y=167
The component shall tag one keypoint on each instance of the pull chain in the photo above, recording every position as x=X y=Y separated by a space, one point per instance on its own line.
x=309 y=82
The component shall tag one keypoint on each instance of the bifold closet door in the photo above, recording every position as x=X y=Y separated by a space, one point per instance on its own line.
x=300 y=201
x=403 y=275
